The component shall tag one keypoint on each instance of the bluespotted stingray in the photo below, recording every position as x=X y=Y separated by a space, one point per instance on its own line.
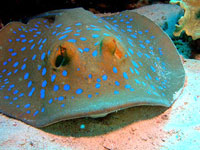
x=71 y=63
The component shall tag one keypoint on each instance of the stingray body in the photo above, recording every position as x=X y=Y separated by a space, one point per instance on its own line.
x=74 y=64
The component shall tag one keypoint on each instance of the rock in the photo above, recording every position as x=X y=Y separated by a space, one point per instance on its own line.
x=164 y=15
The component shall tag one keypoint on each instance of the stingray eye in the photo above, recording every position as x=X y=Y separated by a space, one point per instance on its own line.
x=110 y=45
x=62 y=58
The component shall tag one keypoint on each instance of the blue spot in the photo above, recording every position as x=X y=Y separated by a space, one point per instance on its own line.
x=80 y=50
x=83 y=39
x=63 y=105
x=136 y=71
x=62 y=37
x=14 y=54
x=9 y=59
x=41 y=46
x=96 y=43
x=32 y=46
x=125 y=75
x=12 y=86
x=131 y=51
x=78 y=24
x=61 y=98
x=152 y=37
x=66 y=87
x=147 y=41
x=79 y=91
x=54 y=32
x=17 y=40
x=22 y=94
x=31 y=92
x=129 y=26
x=30 y=41
x=96 y=29
x=114 y=69
x=68 y=31
x=78 y=30
x=29 y=84
x=133 y=36
x=135 y=64
x=44 y=70
x=140 y=32
x=39 y=67
x=25 y=59
x=107 y=27
x=137 y=81
x=34 y=56
x=9 y=40
x=141 y=45
x=147 y=56
x=23 y=48
x=26 y=75
x=56 y=88
x=44 y=83
x=59 y=25
x=89 y=96
x=6 y=97
x=98 y=85
x=44 y=41
x=90 y=76
x=106 y=34
x=64 y=73
x=86 y=49
x=24 y=40
x=104 y=77
x=5 y=63
x=42 y=93
x=153 y=69
x=4 y=70
x=15 y=92
x=76 y=34
x=16 y=71
x=160 y=51
x=127 y=86
x=42 y=56
x=98 y=80
x=117 y=83
x=50 y=101
x=149 y=76
x=23 y=66
x=53 y=78
x=132 y=89
x=72 y=40
x=94 y=53
x=95 y=36
x=27 y=105
x=116 y=92
x=49 y=52
x=28 y=112
x=15 y=98
x=43 y=109
x=36 y=112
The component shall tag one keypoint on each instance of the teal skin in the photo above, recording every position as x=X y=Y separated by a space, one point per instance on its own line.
x=70 y=63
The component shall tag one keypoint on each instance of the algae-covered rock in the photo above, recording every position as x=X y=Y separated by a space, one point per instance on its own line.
x=190 y=22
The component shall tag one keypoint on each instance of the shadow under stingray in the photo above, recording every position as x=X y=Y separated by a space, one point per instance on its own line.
x=109 y=123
